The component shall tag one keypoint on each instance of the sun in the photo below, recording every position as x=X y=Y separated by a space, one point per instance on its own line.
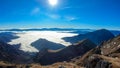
x=53 y=2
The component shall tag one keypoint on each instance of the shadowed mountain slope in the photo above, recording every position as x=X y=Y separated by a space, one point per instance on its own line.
x=7 y=36
x=97 y=37
x=11 y=54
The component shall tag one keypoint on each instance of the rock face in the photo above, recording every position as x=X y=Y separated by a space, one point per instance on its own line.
x=97 y=37
x=107 y=55
x=48 y=56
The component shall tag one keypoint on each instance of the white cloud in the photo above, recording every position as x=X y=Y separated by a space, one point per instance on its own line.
x=35 y=11
x=57 y=16
x=28 y=37
x=70 y=18
x=54 y=16
x=70 y=7
x=66 y=8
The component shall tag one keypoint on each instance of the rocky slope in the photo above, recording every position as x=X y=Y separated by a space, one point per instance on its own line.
x=97 y=37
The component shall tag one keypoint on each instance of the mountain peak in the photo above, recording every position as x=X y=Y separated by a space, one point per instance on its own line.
x=97 y=37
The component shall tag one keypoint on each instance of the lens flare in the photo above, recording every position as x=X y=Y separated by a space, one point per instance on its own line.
x=53 y=2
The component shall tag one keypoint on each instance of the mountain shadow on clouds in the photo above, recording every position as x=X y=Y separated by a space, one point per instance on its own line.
x=43 y=43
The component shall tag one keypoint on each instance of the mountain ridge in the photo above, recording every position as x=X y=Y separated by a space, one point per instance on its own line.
x=65 y=54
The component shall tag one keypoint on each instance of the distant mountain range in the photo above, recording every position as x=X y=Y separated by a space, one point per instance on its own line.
x=46 y=29
x=72 y=30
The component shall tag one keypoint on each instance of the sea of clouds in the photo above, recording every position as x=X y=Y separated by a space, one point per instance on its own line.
x=28 y=37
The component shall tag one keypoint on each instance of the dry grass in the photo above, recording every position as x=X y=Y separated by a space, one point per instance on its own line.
x=56 y=65
x=64 y=65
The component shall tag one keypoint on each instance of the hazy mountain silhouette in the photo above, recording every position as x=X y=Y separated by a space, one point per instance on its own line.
x=97 y=37
x=47 y=29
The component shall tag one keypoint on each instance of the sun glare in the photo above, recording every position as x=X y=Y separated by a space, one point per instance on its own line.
x=53 y=2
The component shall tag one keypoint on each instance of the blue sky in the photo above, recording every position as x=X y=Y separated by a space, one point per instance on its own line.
x=93 y=14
